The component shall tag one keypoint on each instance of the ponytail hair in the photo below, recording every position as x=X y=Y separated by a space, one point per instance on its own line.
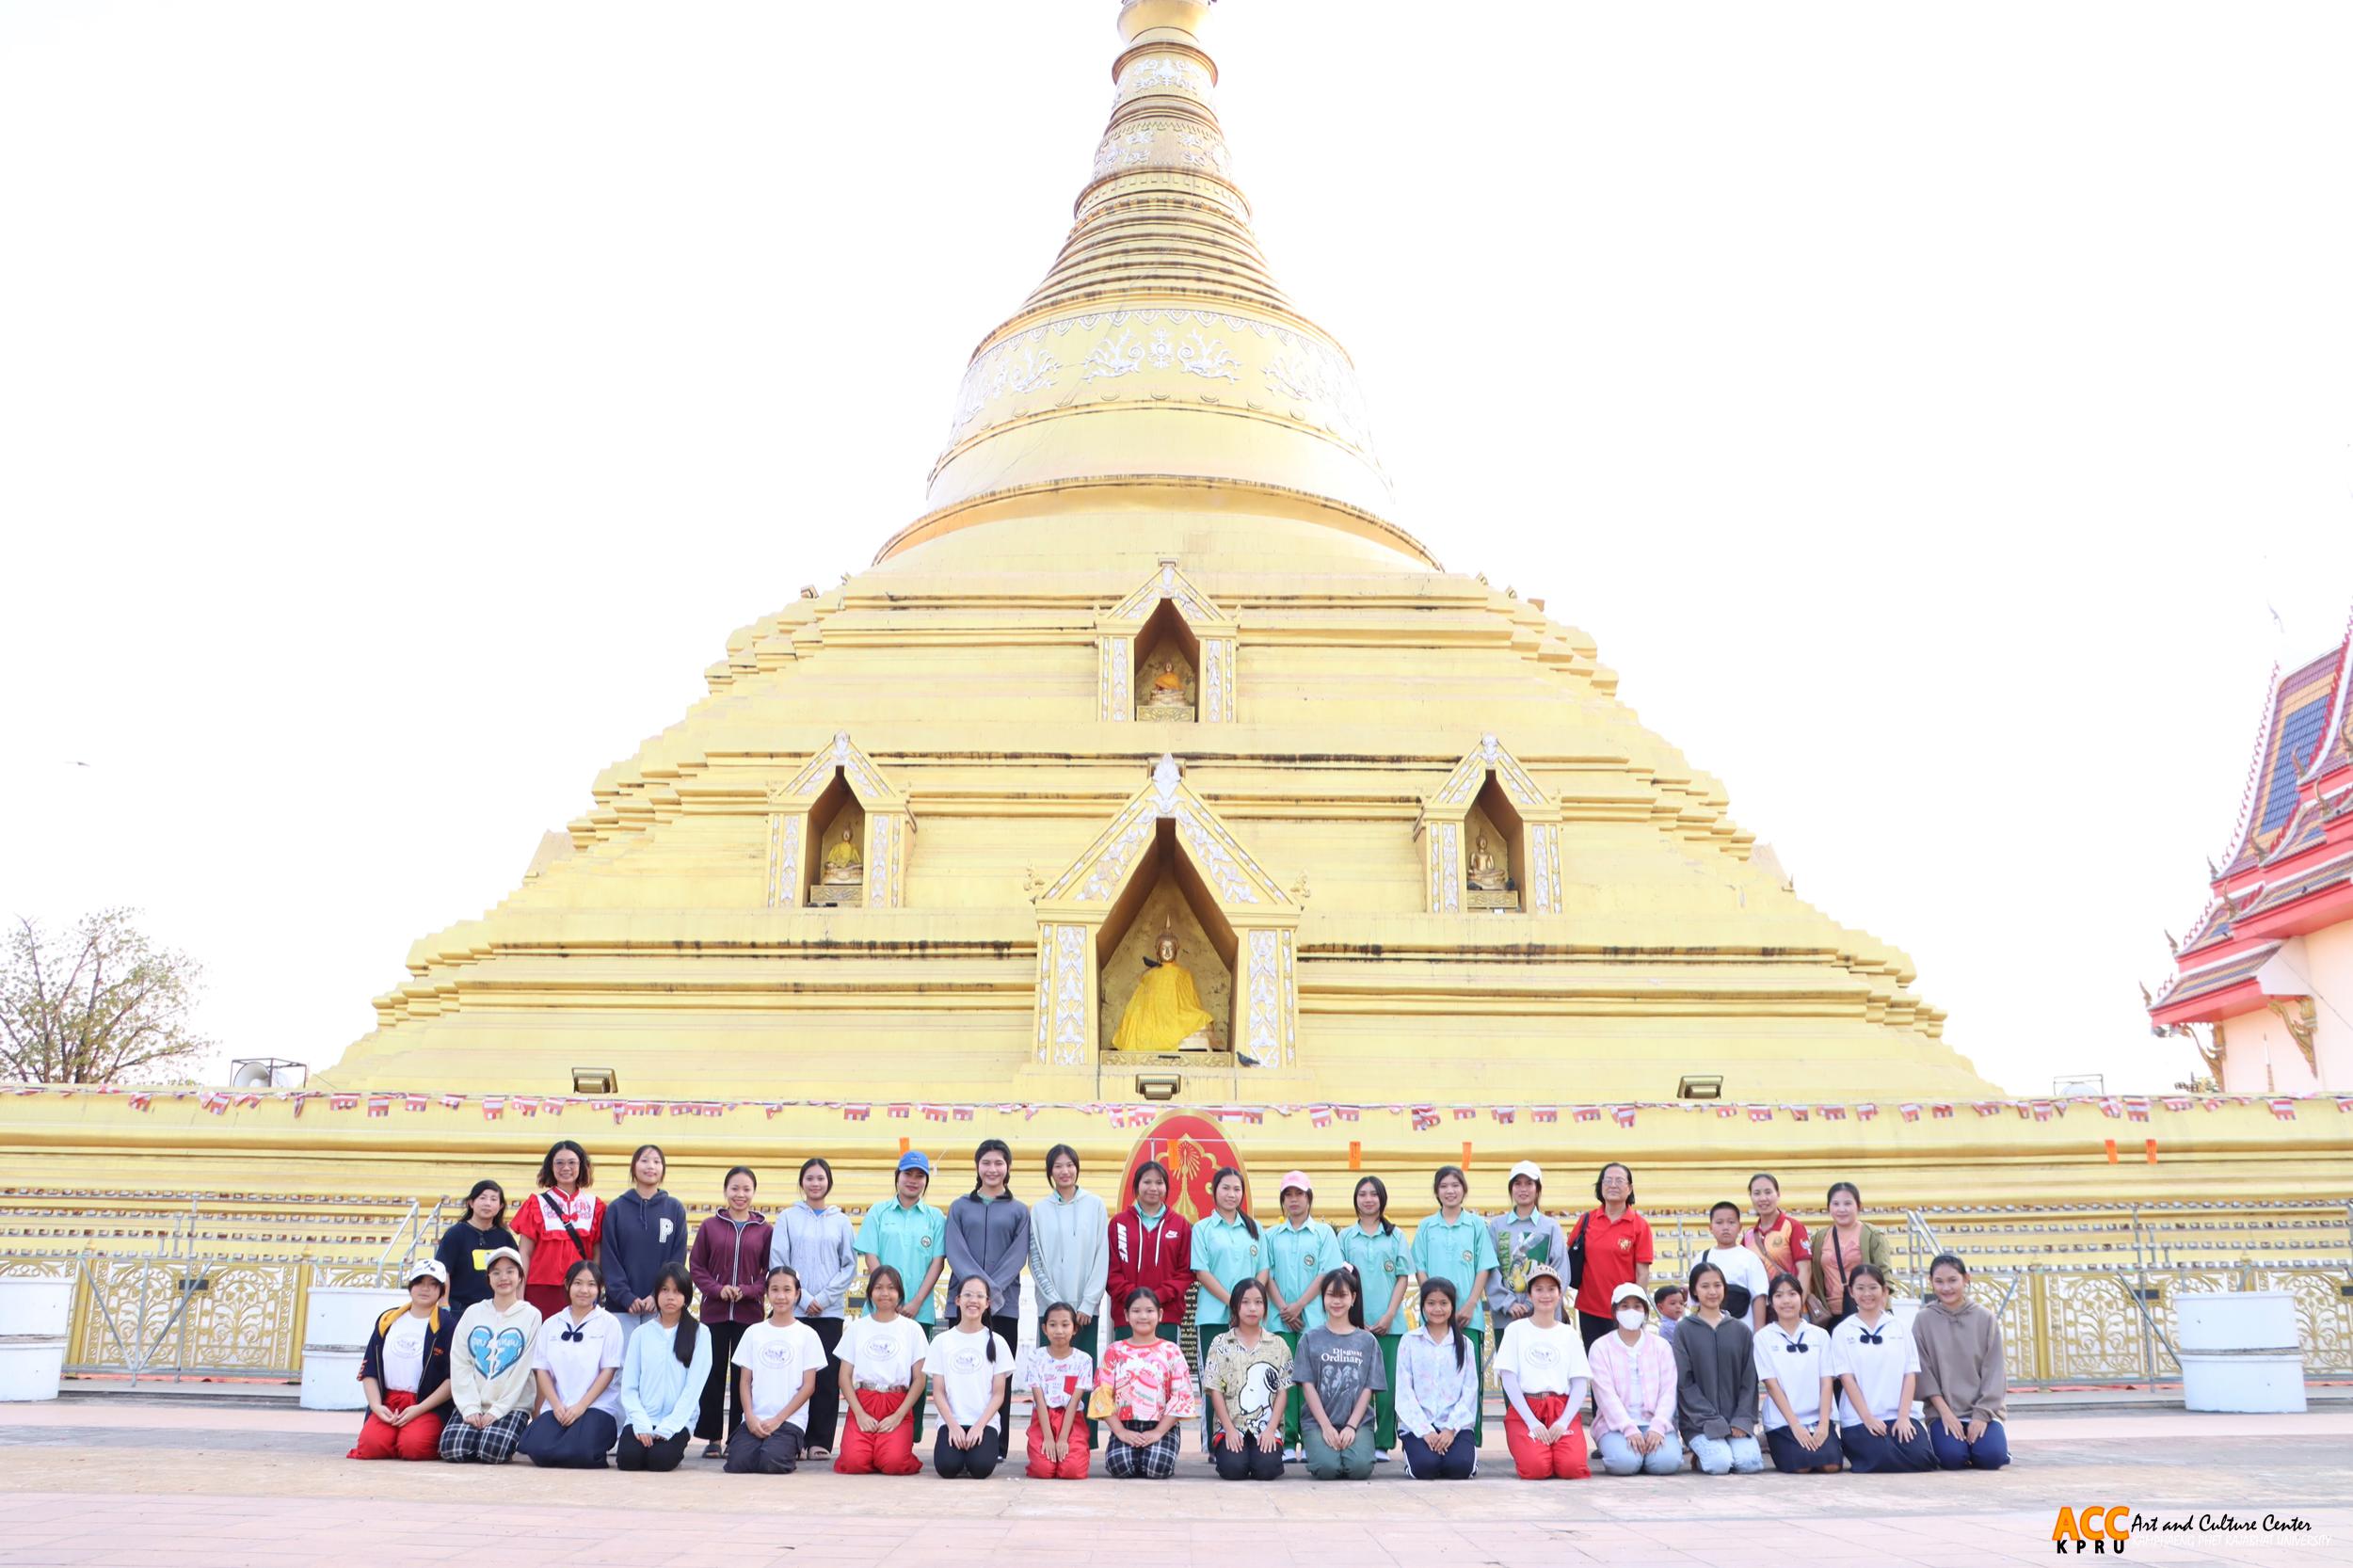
x=1381 y=1192
x=676 y=1276
x=1000 y=1147
x=1216 y=1178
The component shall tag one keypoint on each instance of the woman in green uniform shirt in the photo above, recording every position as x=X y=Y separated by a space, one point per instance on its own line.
x=1299 y=1252
x=1455 y=1244
x=1385 y=1261
x=1227 y=1250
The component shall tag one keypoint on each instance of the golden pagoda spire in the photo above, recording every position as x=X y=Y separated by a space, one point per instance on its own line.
x=1159 y=349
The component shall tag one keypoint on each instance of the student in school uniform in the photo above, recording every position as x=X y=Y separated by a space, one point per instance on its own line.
x=910 y=1235
x=882 y=1382
x=1964 y=1379
x=814 y=1239
x=558 y=1226
x=1247 y=1385
x=1059 y=1377
x=1878 y=1368
x=1228 y=1249
x=1150 y=1390
x=778 y=1362
x=1438 y=1391
x=1455 y=1245
x=1634 y=1392
x=1716 y=1382
x=467 y=1245
x=577 y=1361
x=1743 y=1270
x=1299 y=1252
x=730 y=1262
x=1544 y=1373
x=405 y=1373
x=1800 y=1404
x=645 y=1231
x=663 y=1373
x=970 y=1368
x=493 y=1390
x=1383 y=1256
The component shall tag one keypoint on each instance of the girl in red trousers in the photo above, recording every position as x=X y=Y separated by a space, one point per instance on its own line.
x=1059 y=1376
x=1152 y=1250
x=405 y=1373
x=882 y=1382
x=1545 y=1374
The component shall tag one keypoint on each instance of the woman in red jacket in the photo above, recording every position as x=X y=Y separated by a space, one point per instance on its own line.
x=1152 y=1250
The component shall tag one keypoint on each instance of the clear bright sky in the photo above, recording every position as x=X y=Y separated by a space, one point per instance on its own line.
x=1928 y=409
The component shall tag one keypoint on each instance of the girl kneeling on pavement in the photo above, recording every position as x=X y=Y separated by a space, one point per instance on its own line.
x=1150 y=1390
x=1634 y=1391
x=404 y=1371
x=1247 y=1382
x=1438 y=1391
x=1879 y=1371
x=1338 y=1369
x=781 y=1360
x=882 y=1382
x=492 y=1387
x=663 y=1373
x=971 y=1376
x=577 y=1363
x=1545 y=1374
x=1059 y=1377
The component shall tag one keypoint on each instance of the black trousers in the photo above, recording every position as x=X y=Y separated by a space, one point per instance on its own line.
x=1009 y=1330
x=825 y=1401
x=1591 y=1328
x=712 y=1425
x=629 y=1454
x=776 y=1454
x=978 y=1462
x=1252 y=1463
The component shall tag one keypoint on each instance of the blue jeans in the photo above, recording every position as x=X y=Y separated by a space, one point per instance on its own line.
x=1722 y=1455
x=1618 y=1457
x=1988 y=1452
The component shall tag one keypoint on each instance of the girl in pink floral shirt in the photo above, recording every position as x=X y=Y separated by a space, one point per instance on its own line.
x=1151 y=1392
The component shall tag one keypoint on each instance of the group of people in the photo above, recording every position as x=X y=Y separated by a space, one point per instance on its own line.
x=580 y=1329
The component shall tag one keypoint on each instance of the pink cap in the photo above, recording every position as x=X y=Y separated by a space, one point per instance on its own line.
x=1298 y=1179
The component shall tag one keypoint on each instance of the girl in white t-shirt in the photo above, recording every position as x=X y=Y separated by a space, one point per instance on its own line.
x=781 y=1361
x=577 y=1361
x=971 y=1371
x=882 y=1358
x=1878 y=1368
x=1059 y=1376
x=1793 y=1358
x=1544 y=1375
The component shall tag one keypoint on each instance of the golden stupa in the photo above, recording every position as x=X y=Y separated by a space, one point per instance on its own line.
x=1158 y=657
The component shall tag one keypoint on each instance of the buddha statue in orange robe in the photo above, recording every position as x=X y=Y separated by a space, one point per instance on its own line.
x=1165 y=1013
x=1166 y=689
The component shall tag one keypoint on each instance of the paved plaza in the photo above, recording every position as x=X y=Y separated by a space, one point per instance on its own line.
x=112 y=1481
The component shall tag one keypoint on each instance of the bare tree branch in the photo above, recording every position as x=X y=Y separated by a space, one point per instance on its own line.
x=120 y=1012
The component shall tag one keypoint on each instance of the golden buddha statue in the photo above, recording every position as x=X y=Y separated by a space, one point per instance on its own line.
x=1165 y=1013
x=1485 y=874
x=1166 y=689
x=842 y=861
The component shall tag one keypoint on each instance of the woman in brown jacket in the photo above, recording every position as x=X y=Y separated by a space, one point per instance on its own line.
x=1840 y=1248
x=1962 y=1377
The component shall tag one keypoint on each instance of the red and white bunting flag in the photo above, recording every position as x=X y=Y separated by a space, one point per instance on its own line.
x=1507 y=1114
x=900 y=1112
x=2137 y=1107
x=1834 y=1112
x=934 y=1112
x=1986 y=1108
x=1424 y=1120
x=417 y=1102
x=2175 y=1102
x=214 y=1101
x=1797 y=1113
x=553 y=1105
x=1909 y=1111
x=1760 y=1112
x=380 y=1105
x=2284 y=1108
x=1467 y=1113
x=342 y=1102
x=141 y=1101
x=1726 y=1113
x=1866 y=1111
x=2345 y=1105
x=856 y=1112
x=962 y=1113
x=1587 y=1114
x=249 y=1100
x=493 y=1107
x=1347 y=1113
x=1625 y=1114
x=1544 y=1112
x=772 y=1107
x=451 y=1102
x=2111 y=1107
x=1319 y=1116
x=1941 y=1113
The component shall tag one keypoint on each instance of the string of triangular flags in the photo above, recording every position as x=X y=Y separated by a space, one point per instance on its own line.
x=1424 y=1117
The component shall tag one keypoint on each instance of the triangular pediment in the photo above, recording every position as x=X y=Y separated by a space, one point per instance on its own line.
x=1451 y=801
x=1243 y=891
x=873 y=793
x=1169 y=583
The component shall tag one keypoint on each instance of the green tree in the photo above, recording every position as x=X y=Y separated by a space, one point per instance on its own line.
x=98 y=1003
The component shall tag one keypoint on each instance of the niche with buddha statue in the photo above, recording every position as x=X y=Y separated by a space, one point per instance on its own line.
x=837 y=875
x=1167 y=675
x=1167 y=981
x=839 y=835
x=1165 y=655
x=1491 y=839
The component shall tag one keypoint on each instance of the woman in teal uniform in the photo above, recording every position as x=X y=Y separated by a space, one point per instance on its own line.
x=1385 y=1261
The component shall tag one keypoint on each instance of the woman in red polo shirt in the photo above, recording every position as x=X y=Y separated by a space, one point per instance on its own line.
x=1617 y=1246
x=557 y=1226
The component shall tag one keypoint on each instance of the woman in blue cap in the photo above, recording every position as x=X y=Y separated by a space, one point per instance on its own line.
x=910 y=1235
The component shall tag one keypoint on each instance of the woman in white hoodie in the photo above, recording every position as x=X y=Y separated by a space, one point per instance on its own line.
x=1070 y=1251
x=492 y=1392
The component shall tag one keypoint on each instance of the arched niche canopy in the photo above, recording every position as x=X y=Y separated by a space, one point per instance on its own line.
x=1168 y=627
x=839 y=785
x=1166 y=842
x=1489 y=793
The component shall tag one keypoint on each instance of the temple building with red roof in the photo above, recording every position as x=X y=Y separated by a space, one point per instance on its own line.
x=2269 y=963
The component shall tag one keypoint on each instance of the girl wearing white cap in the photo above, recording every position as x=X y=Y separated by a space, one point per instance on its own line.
x=405 y=1371
x=492 y=1390
x=1525 y=1236
x=1634 y=1392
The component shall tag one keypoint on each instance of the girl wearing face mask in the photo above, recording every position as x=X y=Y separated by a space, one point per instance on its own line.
x=1800 y=1404
x=813 y=1237
x=1634 y=1392
x=1878 y=1368
x=645 y=1231
x=1840 y=1248
x=1961 y=1374
x=988 y=1239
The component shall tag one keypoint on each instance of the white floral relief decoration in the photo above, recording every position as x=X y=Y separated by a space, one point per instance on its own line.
x=1266 y=989
x=1161 y=71
x=1044 y=995
x=1215 y=858
x=1114 y=357
x=1450 y=883
x=1114 y=657
x=1070 y=996
x=784 y=833
x=1111 y=865
x=1217 y=691
x=1291 y=999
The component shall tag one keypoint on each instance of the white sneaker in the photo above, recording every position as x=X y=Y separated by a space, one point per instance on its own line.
x=1379 y=1457
x=1294 y=1456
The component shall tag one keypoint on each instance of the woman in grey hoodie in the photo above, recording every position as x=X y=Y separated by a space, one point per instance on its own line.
x=814 y=1238
x=988 y=1239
